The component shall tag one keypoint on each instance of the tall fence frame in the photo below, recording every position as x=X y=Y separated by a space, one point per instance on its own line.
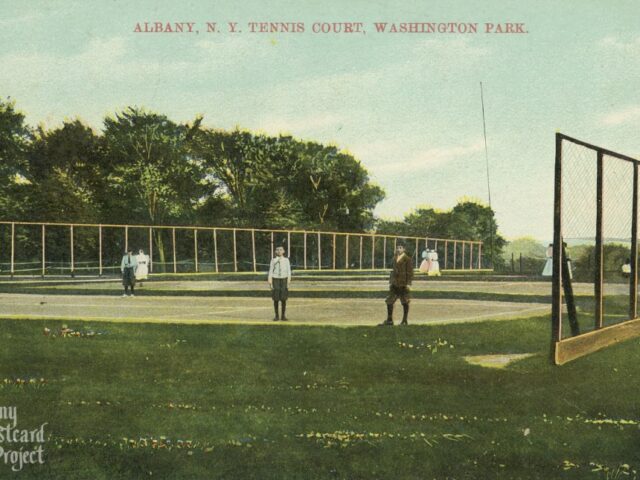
x=467 y=254
x=567 y=349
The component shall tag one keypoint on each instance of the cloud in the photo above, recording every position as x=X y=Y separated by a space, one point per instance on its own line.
x=616 y=43
x=626 y=115
x=298 y=124
x=383 y=157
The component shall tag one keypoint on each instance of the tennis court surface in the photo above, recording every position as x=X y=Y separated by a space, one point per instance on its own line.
x=313 y=302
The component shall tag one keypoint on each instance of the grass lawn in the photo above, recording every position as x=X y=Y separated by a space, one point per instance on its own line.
x=233 y=401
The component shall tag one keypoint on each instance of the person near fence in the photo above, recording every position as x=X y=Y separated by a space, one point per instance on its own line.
x=279 y=280
x=399 y=284
x=434 y=264
x=142 y=269
x=547 y=271
x=128 y=269
x=424 y=266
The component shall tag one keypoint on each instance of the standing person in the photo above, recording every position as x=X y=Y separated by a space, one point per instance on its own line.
x=547 y=271
x=424 y=266
x=434 y=264
x=399 y=284
x=142 y=270
x=279 y=280
x=128 y=269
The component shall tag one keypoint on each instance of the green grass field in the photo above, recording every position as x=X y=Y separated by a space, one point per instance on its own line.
x=233 y=401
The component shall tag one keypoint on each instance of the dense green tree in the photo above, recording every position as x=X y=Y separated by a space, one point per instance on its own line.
x=15 y=137
x=468 y=220
x=152 y=177
x=66 y=174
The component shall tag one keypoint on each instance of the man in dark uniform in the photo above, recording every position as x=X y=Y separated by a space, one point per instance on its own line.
x=399 y=284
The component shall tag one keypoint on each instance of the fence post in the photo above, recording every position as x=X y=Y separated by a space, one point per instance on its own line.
x=520 y=263
x=633 y=279
x=471 y=256
x=253 y=248
x=446 y=245
x=361 y=240
x=319 y=253
x=288 y=244
x=195 y=248
x=480 y=255
x=272 y=252
x=416 y=254
x=126 y=239
x=43 y=250
x=305 y=250
x=455 y=254
x=373 y=252
x=513 y=263
x=215 y=249
x=599 y=248
x=235 y=252
x=346 y=255
x=150 y=249
x=13 y=247
x=334 y=251
x=384 y=253
x=73 y=263
x=173 y=243
x=99 y=250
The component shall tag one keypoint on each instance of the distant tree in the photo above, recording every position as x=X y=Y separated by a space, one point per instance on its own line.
x=151 y=175
x=527 y=246
x=66 y=174
x=15 y=137
x=468 y=220
x=282 y=182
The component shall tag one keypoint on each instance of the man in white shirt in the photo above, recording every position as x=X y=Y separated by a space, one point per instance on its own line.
x=128 y=268
x=279 y=280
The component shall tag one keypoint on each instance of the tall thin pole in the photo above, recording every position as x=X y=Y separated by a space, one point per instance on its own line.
x=486 y=154
x=633 y=278
x=599 y=247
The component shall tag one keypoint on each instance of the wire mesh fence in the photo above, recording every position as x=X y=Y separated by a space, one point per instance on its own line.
x=85 y=249
x=595 y=238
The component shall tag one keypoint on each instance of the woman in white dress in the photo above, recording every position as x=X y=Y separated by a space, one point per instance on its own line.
x=548 y=266
x=434 y=265
x=424 y=266
x=142 y=271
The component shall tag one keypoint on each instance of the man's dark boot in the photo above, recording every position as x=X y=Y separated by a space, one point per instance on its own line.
x=275 y=307
x=284 y=309
x=405 y=308
x=389 y=320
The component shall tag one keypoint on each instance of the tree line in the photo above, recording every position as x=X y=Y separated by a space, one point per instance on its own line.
x=142 y=167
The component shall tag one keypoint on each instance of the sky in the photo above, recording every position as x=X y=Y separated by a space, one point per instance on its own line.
x=406 y=105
